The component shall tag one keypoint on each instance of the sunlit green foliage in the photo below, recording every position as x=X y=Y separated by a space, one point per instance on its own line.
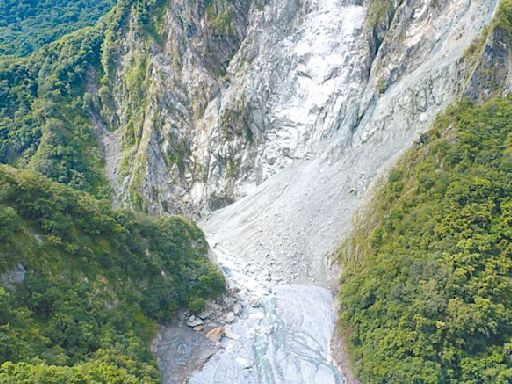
x=43 y=121
x=96 y=281
x=47 y=100
x=28 y=25
x=427 y=285
x=114 y=370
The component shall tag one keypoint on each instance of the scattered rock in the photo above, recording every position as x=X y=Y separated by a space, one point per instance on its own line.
x=212 y=324
x=215 y=334
x=245 y=363
x=193 y=321
x=231 y=334
x=199 y=328
x=230 y=317
x=204 y=314
x=237 y=308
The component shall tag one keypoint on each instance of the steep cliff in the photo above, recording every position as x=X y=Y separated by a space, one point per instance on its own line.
x=160 y=73
x=207 y=101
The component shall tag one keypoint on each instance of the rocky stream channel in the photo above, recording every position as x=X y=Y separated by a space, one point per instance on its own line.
x=257 y=333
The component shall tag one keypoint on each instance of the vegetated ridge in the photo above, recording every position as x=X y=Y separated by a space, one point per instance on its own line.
x=84 y=284
x=27 y=25
x=427 y=281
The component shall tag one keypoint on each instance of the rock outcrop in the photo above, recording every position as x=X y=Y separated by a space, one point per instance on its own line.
x=207 y=102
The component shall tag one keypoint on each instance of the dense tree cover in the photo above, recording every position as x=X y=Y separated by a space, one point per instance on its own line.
x=96 y=281
x=28 y=25
x=427 y=285
x=47 y=101
x=43 y=120
x=116 y=370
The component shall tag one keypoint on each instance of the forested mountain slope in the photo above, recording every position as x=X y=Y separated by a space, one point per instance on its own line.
x=43 y=121
x=27 y=25
x=83 y=285
x=57 y=103
x=427 y=274
x=427 y=282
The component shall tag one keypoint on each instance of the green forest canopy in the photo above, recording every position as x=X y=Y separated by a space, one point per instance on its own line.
x=427 y=286
x=47 y=100
x=27 y=25
x=96 y=282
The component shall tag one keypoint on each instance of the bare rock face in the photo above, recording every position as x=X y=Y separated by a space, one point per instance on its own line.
x=343 y=125
x=180 y=350
x=194 y=321
x=156 y=92
x=13 y=277
x=224 y=96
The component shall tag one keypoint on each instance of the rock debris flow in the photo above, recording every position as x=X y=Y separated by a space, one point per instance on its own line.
x=335 y=116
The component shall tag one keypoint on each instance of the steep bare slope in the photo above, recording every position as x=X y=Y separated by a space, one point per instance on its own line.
x=296 y=216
